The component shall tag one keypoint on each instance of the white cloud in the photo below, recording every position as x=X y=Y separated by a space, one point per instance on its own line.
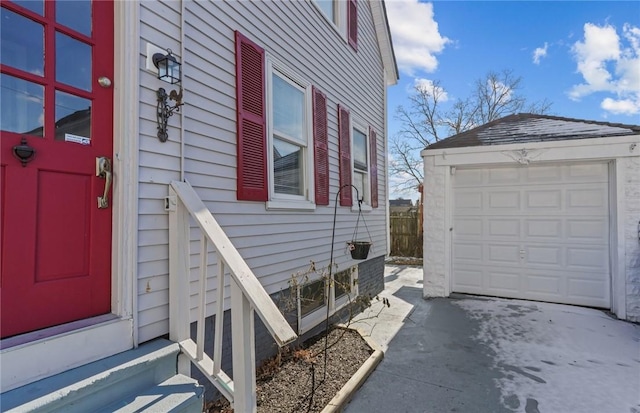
x=609 y=64
x=416 y=39
x=620 y=107
x=426 y=84
x=539 y=53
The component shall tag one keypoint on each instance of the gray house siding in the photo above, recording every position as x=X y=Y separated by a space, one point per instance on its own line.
x=202 y=139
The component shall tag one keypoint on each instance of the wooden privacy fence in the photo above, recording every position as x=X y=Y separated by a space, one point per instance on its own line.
x=406 y=234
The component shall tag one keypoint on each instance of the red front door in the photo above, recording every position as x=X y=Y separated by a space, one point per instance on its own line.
x=56 y=64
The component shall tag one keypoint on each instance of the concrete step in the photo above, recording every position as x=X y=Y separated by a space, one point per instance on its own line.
x=178 y=394
x=146 y=373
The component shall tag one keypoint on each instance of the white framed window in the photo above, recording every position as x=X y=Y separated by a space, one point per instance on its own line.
x=335 y=11
x=314 y=296
x=290 y=139
x=360 y=165
x=345 y=287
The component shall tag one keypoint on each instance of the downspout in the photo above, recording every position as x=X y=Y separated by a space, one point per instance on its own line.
x=386 y=163
x=183 y=8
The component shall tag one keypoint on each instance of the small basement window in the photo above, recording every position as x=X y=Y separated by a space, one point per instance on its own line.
x=312 y=297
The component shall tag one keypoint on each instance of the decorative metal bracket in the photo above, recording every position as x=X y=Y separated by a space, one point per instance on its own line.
x=164 y=111
x=24 y=152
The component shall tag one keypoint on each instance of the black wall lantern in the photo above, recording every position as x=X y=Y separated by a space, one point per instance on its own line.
x=168 y=67
x=168 y=71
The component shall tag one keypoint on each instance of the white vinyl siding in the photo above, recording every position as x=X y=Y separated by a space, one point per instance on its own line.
x=274 y=243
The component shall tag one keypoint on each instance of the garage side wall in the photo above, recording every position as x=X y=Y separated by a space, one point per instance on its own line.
x=631 y=168
x=435 y=234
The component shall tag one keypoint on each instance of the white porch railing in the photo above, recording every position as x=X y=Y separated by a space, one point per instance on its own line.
x=247 y=295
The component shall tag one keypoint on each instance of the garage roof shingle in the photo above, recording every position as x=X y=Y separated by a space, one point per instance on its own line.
x=528 y=127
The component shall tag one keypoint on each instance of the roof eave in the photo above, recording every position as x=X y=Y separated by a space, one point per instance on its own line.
x=383 y=33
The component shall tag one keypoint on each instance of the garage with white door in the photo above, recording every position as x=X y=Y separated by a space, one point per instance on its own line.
x=536 y=207
x=539 y=232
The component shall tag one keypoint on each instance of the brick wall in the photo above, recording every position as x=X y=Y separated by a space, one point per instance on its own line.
x=434 y=231
x=632 y=244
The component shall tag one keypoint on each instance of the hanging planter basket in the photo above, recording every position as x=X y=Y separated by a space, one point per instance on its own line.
x=359 y=249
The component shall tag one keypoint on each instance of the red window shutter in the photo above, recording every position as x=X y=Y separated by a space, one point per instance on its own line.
x=344 y=140
x=251 y=121
x=352 y=23
x=321 y=147
x=373 y=143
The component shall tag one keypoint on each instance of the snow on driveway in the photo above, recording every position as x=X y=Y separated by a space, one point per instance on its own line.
x=559 y=358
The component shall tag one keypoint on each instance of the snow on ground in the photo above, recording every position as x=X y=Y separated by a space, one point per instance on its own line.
x=565 y=358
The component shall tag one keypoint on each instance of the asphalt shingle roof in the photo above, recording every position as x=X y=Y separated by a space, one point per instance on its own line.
x=528 y=127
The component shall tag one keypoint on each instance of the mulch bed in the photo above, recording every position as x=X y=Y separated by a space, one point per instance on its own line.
x=285 y=382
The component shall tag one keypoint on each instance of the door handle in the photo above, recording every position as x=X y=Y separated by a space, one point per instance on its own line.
x=103 y=170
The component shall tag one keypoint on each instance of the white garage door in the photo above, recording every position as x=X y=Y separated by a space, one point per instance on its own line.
x=538 y=232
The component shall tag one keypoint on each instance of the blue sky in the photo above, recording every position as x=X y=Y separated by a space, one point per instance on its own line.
x=582 y=56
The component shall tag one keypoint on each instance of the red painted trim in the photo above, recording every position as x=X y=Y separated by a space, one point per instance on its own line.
x=252 y=184
x=373 y=143
x=352 y=23
x=321 y=147
x=344 y=139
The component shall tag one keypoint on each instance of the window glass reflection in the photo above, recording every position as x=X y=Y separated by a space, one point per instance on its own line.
x=22 y=106
x=75 y=14
x=36 y=6
x=312 y=296
x=288 y=108
x=327 y=8
x=22 y=43
x=287 y=168
x=73 y=118
x=73 y=62
x=359 y=150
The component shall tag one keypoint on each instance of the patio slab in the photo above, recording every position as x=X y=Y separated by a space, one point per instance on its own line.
x=479 y=354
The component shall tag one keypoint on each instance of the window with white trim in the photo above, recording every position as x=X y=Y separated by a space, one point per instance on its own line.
x=276 y=111
x=344 y=17
x=315 y=295
x=361 y=164
x=289 y=135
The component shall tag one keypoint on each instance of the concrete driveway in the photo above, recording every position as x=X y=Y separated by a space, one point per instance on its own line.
x=477 y=354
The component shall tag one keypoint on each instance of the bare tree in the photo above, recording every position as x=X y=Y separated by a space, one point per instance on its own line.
x=429 y=119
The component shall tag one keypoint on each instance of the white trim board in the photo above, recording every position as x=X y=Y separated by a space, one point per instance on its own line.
x=578 y=149
x=26 y=363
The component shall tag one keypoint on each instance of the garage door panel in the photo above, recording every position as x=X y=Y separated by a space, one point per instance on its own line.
x=467 y=252
x=504 y=228
x=550 y=200
x=592 y=230
x=468 y=201
x=594 y=291
x=536 y=232
x=593 y=259
x=588 y=200
x=592 y=172
x=468 y=227
x=468 y=280
x=541 y=229
x=469 y=177
x=549 y=285
x=502 y=176
x=504 y=281
x=543 y=255
x=544 y=174
x=503 y=253
x=509 y=200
